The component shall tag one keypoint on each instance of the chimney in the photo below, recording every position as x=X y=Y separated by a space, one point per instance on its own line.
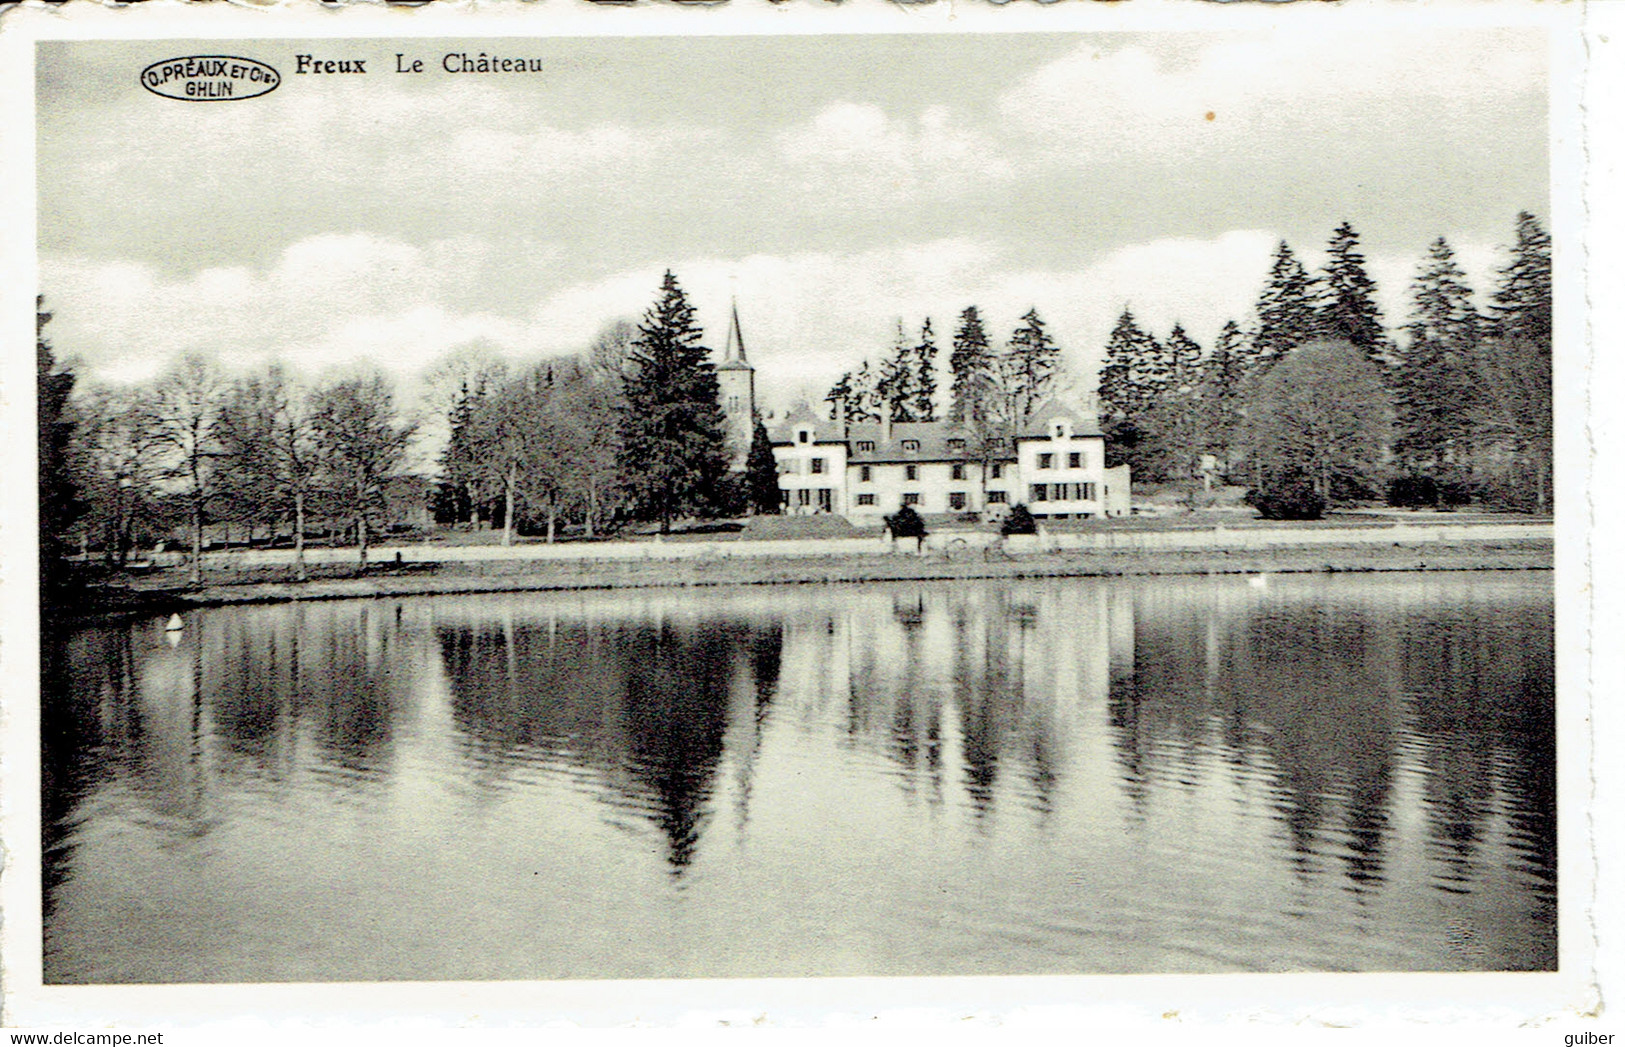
x=885 y=423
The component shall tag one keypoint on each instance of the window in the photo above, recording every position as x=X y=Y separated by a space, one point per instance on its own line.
x=803 y=436
x=995 y=498
x=956 y=444
x=1046 y=461
x=911 y=445
x=1059 y=430
x=1088 y=492
x=911 y=472
x=866 y=445
x=998 y=470
x=956 y=500
x=1074 y=460
x=826 y=499
x=865 y=474
x=866 y=499
x=817 y=466
x=958 y=471
x=1040 y=493
x=911 y=499
x=803 y=497
x=784 y=497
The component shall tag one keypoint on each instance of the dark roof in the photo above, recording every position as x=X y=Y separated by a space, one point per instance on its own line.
x=733 y=351
x=1084 y=423
x=784 y=432
x=931 y=439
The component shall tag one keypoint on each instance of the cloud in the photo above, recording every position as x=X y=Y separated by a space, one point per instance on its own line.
x=1315 y=89
x=851 y=146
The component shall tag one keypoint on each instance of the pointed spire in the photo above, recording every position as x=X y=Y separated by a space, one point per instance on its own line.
x=735 y=352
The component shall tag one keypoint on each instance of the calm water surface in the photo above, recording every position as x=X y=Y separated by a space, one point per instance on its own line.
x=1075 y=775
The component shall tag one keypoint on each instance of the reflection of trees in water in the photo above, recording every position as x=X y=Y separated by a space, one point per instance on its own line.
x=646 y=705
x=986 y=653
x=1331 y=702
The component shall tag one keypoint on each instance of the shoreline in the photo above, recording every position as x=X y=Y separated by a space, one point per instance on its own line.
x=453 y=578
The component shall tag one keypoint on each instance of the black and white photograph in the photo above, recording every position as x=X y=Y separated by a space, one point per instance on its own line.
x=631 y=506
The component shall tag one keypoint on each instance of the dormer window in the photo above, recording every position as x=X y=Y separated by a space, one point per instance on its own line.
x=803 y=436
x=866 y=445
x=1059 y=430
x=911 y=445
x=956 y=444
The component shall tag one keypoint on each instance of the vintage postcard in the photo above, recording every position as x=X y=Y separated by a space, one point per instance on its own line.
x=593 y=515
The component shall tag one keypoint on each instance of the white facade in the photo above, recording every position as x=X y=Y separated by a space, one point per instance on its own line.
x=867 y=471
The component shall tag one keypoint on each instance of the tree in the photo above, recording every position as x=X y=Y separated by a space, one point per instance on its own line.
x=183 y=405
x=971 y=368
x=1122 y=392
x=59 y=502
x=1321 y=413
x=895 y=386
x=1434 y=381
x=267 y=454
x=674 y=454
x=1020 y=521
x=923 y=401
x=1177 y=420
x=1512 y=416
x=1036 y=360
x=117 y=456
x=1222 y=380
x=1348 y=304
x=1286 y=312
x=362 y=444
x=1521 y=307
x=761 y=473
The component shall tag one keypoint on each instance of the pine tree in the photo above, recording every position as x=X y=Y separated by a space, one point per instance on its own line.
x=59 y=503
x=1184 y=358
x=840 y=398
x=1522 y=304
x=1122 y=395
x=971 y=366
x=923 y=402
x=1035 y=360
x=1348 y=305
x=1434 y=382
x=865 y=396
x=895 y=387
x=1222 y=377
x=1286 y=312
x=674 y=453
x=761 y=473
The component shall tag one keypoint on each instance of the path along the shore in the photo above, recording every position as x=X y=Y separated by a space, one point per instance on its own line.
x=263 y=575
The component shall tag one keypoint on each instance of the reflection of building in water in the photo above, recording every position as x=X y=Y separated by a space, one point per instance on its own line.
x=970 y=687
x=646 y=705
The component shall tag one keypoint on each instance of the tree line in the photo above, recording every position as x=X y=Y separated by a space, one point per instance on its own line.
x=631 y=429
x=1314 y=403
x=993 y=388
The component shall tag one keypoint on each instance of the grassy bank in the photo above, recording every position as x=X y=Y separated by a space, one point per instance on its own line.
x=160 y=594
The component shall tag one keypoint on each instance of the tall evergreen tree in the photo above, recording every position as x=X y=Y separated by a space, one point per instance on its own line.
x=1348 y=304
x=971 y=366
x=1286 y=311
x=59 y=503
x=1035 y=360
x=761 y=473
x=923 y=402
x=840 y=398
x=1122 y=393
x=1222 y=376
x=1434 y=381
x=895 y=387
x=674 y=455
x=1522 y=305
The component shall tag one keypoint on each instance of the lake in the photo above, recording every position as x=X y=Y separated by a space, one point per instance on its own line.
x=1084 y=775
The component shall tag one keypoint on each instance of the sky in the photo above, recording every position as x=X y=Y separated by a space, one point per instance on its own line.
x=832 y=185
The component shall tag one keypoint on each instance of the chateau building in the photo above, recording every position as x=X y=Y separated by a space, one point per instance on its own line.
x=1055 y=464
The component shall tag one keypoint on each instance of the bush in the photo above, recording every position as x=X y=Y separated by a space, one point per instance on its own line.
x=1020 y=521
x=1413 y=492
x=905 y=523
x=1288 y=497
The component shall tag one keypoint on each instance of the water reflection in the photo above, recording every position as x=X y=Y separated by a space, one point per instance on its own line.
x=1099 y=775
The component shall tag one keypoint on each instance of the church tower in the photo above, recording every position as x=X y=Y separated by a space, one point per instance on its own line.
x=736 y=389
